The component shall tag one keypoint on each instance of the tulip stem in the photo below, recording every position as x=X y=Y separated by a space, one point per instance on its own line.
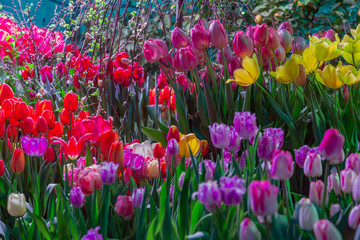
x=286 y=200
x=209 y=68
x=323 y=194
x=268 y=230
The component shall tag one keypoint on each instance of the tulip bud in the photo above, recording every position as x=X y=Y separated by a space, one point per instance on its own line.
x=274 y=40
x=298 y=45
x=17 y=163
x=282 y=165
x=158 y=150
x=138 y=196
x=285 y=39
x=228 y=55
x=287 y=26
x=209 y=194
x=116 y=153
x=153 y=169
x=66 y=117
x=21 y=111
x=261 y=35
x=331 y=146
x=5 y=92
x=204 y=148
x=89 y=178
x=250 y=32
x=176 y=62
x=219 y=134
x=308 y=215
x=2 y=168
x=49 y=155
x=124 y=207
x=301 y=79
x=173 y=133
x=108 y=172
x=77 y=197
x=50 y=118
x=334 y=209
x=353 y=162
x=172 y=147
x=312 y=165
x=249 y=231
x=188 y=58
x=151 y=51
x=243 y=45
x=181 y=180
x=28 y=125
x=16 y=204
x=356 y=189
x=330 y=34
x=218 y=35
x=163 y=49
x=325 y=230
x=200 y=37
x=179 y=38
x=334 y=183
x=71 y=102
x=107 y=138
x=280 y=54
x=354 y=217
x=263 y=197
x=347 y=179
x=317 y=192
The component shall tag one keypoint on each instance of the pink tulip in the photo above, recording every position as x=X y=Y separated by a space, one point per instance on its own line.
x=151 y=51
x=298 y=45
x=248 y=230
x=261 y=35
x=228 y=55
x=280 y=54
x=124 y=207
x=218 y=35
x=356 y=189
x=46 y=74
x=347 y=179
x=263 y=197
x=200 y=36
x=308 y=215
x=274 y=40
x=317 y=192
x=334 y=183
x=162 y=48
x=176 y=62
x=179 y=38
x=243 y=45
x=188 y=57
x=335 y=209
x=312 y=165
x=330 y=34
x=353 y=162
x=331 y=146
x=325 y=230
x=287 y=26
x=354 y=217
x=286 y=39
x=282 y=165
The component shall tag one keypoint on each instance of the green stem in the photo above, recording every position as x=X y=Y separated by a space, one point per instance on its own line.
x=268 y=230
x=105 y=210
x=326 y=173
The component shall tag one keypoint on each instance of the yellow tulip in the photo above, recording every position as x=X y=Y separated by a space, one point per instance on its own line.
x=328 y=77
x=323 y=49
x=189 y=141
x=309 y=61
x=287 y=73
x=351 y=49
x=248 y=74
x=347 y=74
x=356 y=32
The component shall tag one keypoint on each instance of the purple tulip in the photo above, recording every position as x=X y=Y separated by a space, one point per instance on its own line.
x=353 y=162
x=228 y=55
x=334 y=183
x=300 y=155
x=35 y=147
x=218 y=35
x=263 y=197
x=93 y=234
x=317 y=192
x=282 y=165
x=151 y=51
x=108 y=172
x=243 y=45
x=298 y=45
x=200 y=37
x=137 y=163
x=287 y=26
x=172 y=147
x=209 y=169
x=181 y=180
x=248 y=230
x=219 y=134
x=325 y=230
x=331 y=146
x=312 y=165
x=347 y=179
x=261 y=35
x=137 y=197
x=232 y=190
x=235 y=139
x=179 y=38
x=188 y=57
x=245 y=124
x=77 y=197
x=209 y=194
x=271 y=140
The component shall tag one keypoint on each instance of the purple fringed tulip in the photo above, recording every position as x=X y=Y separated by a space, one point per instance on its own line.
x=354 y=217
x=286 y=39
x=209 y=194
x=331 y=146
x=287 y=26
x=77 y=197
x=282 y=165
x=308 y=215
x=163 y=49
x=243 y=45
x=137 y=197
x=108 y=172
x=248 y=230
x=228 y=55
x=219 y=134
x=151 y=51
x=245 y=124
x=353 y=162
x=93 y=234
x=271 y=140
x=209 y=169
x=34 y=146
x=325 y=230
x=200 y=36
x=317 y=192
x=347 y=179
x=312 y=165
x=274 y=39
x=137 y=163
x=334 y=183
x=330 y=34
x=179 y=38
x=232 y=190
x=298 y=45
x=356 y=189
x=234 y=140
x=261 y=35
x=263 y=198
x=188 y=58
x=218 y=36
x=300 y=155
x=172 y=147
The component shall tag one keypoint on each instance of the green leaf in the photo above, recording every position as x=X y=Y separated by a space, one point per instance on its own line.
x=157 y=135
x=40 y=223
x=140 y=225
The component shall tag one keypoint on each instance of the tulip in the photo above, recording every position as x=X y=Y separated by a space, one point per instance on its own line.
x=17 y=163
x=309 y=61
x=137 y=197
x=218 y=36
x=124 y=207
x=49 y=155
x=271 y=140
x=61 y=69
x=172 y=147
x=57 y=131
x=263 y=197
x=322 y=50
x=235 y=139
x=188 y=58
x=66 y=117
x=73 y=148
x=301 y=79
x=325 y=230
x=209 y=194
x=312 y=165
x=16 y=204
x=28 y=125
x=116 y=153
x=282 y=165
x=261 y=35
x=46 y=74
x=317 y=193
x=334 y=183
x=232 y=190
x=41 y=125
x=209 y=167
x=151 y=51
x=34 y=146
x=245 y=124
x=77 y=197
x=347 y=179
x=308 y=215
x=274 y=40
x=133 y=161
x=356 y=189
x=108 y=172
x=280 y=54
x=71 y=102
x=249 y=231
x=335 y=209
x=50 y=118
x=200 y=37
x=298 y=45
x=21 y=111
x=153 y=169
x=285 y=39
x=354 y=217
x=219 y=134
x=5 y=92
x=93 y=234
x=176 y=62
x=300 y=155
x=179 y=38
x=328 y=77
x=228 y=55
x=2 y=168
x=189 y=140
x=173 y=133
x=248 y=74
x=89 y=179
x=163 y=49
x=181 y=180
x=331 y=146
x=347 y=74
x=204 y=148
x=107 y=138
x=243 y=45
x=158 y=151
x=286 y=73
x=330 y=34
x=287 y=26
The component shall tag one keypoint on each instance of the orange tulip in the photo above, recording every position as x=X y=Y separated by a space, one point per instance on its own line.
x=107 y=138
x=116 y=153
x=17 y=163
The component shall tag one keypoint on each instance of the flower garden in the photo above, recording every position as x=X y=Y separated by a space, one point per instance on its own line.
x=118 y=125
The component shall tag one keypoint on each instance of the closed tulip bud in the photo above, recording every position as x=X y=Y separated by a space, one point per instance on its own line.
x=21 y=111
x=173 y=133
x=280 y=54
x=179 y=38
x=356 y=189
x=77 y=197
x=317 y=193
x=181 y=180
x=107 y=138
x=151 y=51
x=286 y=39
x=250 y=32
x=28 y=125
x=243 y=45
x=308 y=215
x=49 y=155
x=188 y=58
x=298 y=45
x=204 y=148
x=325 y=230
x=153 y=169
x=17 y=163
x=176 y=62
x=282 y=165
x=158 y=150
x=5 y=92
x=249 y=231
x=71 y=102
x=138 y=196
x=354 y=217
x=347 y=179
x=50 y=118
x=267 y=54
x=16 y=204
x=200 y=37
x=41 y=125
x=2 y=168
x=287 y=26
x=219 y=134
x=172 y=147
x=66 y=117
x=330 y=34
x=353 y=162
x=261 y=35
x=116 y=153
x=218 y=35
x=274 y=40
x=312 y=165
x=301 y=79
x=334 y=183
x=163 y=49
x=124 y=207
x=263 y=198
x=228 y=55
x=331 y=146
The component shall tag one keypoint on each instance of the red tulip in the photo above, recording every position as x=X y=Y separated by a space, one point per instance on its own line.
x=5 y=92
x=28 y=125
x=49 y=155
x=73 y=148
x=41 y=125
x=2 y=168
x=65 y=117
x=50 y=118
x=21 y=111
x=17 y=163
x=173 y=133
x=116 y=153
x=71 y=102
x=57 y=131
x=46 y=74
x=158 y=151
x=107 y=138
x=204 y=147
x=41 y=106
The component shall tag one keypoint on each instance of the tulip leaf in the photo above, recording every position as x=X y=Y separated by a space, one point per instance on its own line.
x=140 y=225
x=155 y=134
x=180 y=108
x=40 y=223
x=183 y=209
x=198 y=235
